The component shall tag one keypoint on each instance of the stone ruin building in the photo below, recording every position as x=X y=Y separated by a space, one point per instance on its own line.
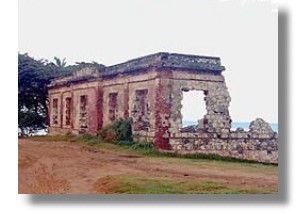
x=149 y=90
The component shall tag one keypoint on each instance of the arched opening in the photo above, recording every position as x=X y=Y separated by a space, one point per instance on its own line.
x=193 y=107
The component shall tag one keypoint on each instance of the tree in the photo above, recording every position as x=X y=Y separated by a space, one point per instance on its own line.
x=33 y=78
x=60 y=63
x=32 y=94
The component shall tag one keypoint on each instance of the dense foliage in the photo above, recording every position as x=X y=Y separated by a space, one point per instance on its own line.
x=120 y=130
x=32 y=94
x=33 y=78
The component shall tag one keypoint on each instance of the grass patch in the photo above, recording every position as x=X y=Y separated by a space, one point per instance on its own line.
x=49 y=138
x=142 y=148
x=83 y=139
x=125 y=184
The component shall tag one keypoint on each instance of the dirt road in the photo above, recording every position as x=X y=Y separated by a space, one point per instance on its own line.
x=63 y=167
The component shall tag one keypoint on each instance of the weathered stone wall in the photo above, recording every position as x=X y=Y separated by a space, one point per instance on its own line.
x=217 y=118
x=163 y=103
x=146 y=131
x=98 y=109
x=260 y=143
x=149 y=90
x=113 y=109
x=55 y=108
x=258 y=149
x=74 y=92
x=214 y=135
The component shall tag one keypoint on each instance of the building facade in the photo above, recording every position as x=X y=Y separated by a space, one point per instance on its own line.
x=149 y=91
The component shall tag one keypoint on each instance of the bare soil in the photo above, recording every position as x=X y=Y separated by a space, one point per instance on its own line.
x=64 y=167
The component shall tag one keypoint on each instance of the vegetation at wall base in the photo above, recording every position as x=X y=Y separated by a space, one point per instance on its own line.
x=140 y=148
x=119 y=130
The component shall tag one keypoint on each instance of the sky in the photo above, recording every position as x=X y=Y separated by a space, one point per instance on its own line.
x=193 y=106
x=244 y=34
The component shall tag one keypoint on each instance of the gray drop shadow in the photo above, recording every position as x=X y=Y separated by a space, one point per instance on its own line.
x=283 y=102
x=248 y=199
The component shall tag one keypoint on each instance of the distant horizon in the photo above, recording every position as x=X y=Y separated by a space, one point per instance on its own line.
x=234 y=125
x=241 y=121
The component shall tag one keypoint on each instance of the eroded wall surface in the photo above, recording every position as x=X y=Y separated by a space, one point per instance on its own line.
x=149 y=91
x=213 y=134
x=98 y=103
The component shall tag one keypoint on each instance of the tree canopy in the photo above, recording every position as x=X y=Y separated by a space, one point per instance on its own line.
x=32 y=94
x=33 y=78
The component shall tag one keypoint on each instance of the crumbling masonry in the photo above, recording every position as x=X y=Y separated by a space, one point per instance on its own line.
x=149 y=90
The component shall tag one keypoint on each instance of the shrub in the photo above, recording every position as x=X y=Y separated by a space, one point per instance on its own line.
x=120 y=130
x=123 y=130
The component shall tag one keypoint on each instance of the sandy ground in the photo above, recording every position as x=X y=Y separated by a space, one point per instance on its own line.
x=62 y=167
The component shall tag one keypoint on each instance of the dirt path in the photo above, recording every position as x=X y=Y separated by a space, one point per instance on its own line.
x=62 y=167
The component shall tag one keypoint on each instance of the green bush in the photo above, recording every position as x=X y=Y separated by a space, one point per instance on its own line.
x=120 y=130
x=123 y=130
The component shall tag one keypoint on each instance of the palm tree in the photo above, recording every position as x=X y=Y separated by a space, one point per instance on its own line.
x=60 y=63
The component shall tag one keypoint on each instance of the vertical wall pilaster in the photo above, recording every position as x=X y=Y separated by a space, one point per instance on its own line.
x=100 y=107
x=126 y=101
x=162 y=110
x=61 y=110
x=72 y=109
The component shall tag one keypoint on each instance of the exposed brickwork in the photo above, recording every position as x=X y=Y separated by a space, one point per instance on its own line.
x=54 y=111
x=83 y=114
x=113 y=106
x=141 y=111
x=260 y=143
x=68 y=111
x=149 y=91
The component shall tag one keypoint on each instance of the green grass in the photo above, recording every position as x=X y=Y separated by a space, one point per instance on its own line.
x=49 y=138
x=83 y=139
x=141 y=148
x=124 y=184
